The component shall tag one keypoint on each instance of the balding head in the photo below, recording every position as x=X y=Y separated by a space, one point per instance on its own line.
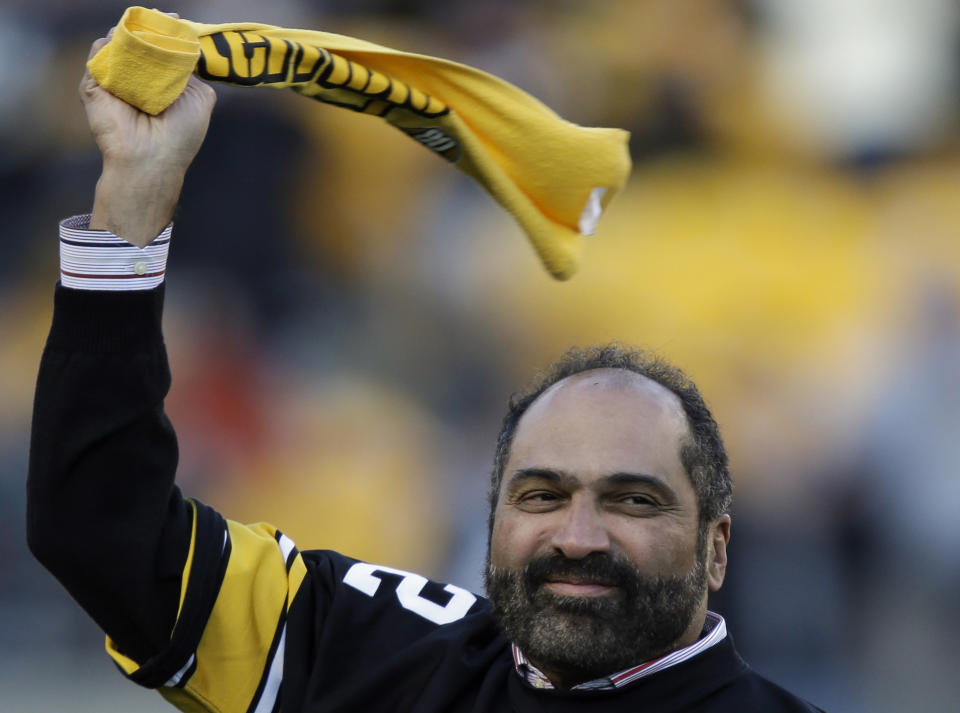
x=590 y=416
x=700 y=450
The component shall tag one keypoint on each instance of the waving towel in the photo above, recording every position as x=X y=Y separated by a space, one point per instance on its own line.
x=555 y=177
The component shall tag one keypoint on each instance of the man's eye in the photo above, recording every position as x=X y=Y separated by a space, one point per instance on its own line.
x=636 y=499
x=538 y=500
x=541 y=496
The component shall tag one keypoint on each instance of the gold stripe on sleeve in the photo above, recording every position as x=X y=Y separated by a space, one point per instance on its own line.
x=236 y=645
x=185 y=576
x=127 y=664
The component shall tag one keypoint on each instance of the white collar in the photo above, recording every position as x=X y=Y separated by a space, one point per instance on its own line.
x=714 y=631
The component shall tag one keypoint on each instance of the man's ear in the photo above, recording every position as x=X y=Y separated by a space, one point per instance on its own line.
x=717 y=538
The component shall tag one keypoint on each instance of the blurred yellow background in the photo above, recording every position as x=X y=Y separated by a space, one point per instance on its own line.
x=347 y=315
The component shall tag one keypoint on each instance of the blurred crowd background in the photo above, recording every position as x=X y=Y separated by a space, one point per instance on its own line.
x=347 y=315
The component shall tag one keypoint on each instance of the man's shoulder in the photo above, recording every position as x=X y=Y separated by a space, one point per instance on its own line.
x=334 y=570
x=375 y=637
x=718 y=680
x=763 y=694
x=404 y=604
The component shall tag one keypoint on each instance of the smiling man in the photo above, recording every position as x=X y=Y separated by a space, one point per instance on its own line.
x=608 y=516
x=600 y=553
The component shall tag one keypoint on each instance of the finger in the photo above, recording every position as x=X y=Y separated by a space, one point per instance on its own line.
x=200 y=89
x=98 y=45
x=197 y=83
x=88 y=85
x=88 y=88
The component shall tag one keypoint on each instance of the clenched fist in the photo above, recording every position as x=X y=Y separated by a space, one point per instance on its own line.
x=145 y=157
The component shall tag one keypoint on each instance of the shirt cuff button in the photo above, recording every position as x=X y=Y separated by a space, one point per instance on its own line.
x=140 y=267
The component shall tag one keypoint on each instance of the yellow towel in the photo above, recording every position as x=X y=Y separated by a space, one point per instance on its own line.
x=555 y=177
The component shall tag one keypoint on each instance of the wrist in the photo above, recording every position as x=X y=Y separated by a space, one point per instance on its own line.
x=135 y=203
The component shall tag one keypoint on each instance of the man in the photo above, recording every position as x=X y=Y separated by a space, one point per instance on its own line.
x=608 y=520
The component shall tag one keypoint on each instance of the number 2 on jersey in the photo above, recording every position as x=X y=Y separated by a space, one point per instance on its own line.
x=362 y=576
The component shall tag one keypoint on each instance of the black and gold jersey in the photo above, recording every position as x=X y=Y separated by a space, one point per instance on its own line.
x=319 y=632
x=257 y=618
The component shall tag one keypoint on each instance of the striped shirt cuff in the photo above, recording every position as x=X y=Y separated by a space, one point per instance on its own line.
x=99 y=260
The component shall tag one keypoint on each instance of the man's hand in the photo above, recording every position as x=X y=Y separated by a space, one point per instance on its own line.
x=144 y=157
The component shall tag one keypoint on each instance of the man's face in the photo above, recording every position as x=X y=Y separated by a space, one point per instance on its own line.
x=594 y=562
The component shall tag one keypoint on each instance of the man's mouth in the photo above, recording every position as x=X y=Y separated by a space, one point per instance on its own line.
x=570 y=586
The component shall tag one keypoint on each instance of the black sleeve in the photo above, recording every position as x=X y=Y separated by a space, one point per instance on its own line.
x=103 y=514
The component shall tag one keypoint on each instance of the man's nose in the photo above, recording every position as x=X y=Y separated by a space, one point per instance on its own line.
x=581 y=530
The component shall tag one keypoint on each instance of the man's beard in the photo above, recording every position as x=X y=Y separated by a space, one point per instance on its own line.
x=582 y=638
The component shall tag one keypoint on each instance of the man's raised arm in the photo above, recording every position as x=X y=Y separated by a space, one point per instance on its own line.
x=103 y=513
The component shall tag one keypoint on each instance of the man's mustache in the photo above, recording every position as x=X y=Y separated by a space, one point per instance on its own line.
x=595 y=568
